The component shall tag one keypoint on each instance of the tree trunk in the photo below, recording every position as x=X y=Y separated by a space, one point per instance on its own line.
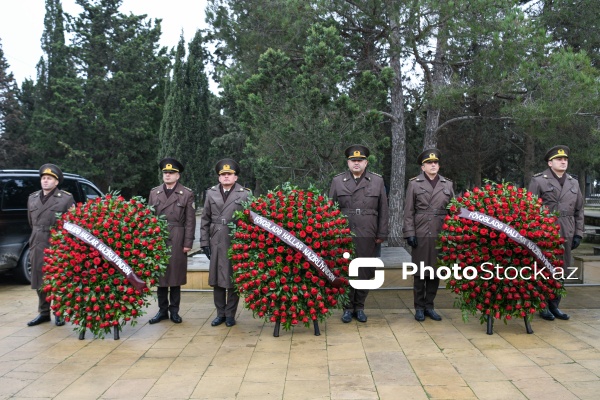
x=529 y=159
x=396 y=197
x=583 y=186
x=437 y=81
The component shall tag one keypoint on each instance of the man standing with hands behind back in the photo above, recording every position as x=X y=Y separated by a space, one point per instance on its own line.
x=221 y=202
x=560 y=192
x=42 y=207
x=176 y=203
x=362 y=198
x=427 y=196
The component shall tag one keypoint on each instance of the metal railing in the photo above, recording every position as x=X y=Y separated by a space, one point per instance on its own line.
x=592 y=201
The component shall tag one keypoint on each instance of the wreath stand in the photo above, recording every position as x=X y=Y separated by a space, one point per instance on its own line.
x=490 y=325
x=116 y=336
x=315 y=324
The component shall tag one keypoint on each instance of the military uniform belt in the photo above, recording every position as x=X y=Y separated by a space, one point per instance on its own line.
x=566 y=213
x=359 y=211
x=432 y=212
x=222 y=221
x=175 y=224
x=42 y=228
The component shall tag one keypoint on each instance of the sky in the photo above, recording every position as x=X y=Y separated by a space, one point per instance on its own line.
x=22 y=24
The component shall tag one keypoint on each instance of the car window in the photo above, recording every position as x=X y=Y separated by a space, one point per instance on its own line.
x=16 y=191
x=90 y=192
x=70 y=186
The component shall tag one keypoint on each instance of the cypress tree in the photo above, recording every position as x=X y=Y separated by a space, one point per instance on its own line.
x=56 y=97
x=12 y=146
x=184 y=132
x=123 y=66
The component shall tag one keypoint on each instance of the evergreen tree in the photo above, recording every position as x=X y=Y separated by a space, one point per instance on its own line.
x=312 y=113
x=12 y=146
x=121 y=105
x=184 y=131
x=56 y=98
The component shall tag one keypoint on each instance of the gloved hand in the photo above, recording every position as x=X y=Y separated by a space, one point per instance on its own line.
x=206 y=250
x=576 y=242
x=412 y=241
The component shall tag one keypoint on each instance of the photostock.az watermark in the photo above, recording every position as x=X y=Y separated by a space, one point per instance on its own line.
x=487 y=271
x=365 y=262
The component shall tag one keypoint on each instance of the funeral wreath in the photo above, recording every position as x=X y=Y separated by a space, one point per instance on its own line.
x=511 y=244
x=104 y=257
x=288 y=256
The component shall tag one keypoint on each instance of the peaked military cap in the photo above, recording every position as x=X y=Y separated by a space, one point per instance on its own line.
x=357 y=152
x=429 y=155
x=171 y=165
x=52 y=170
x=557 y=151
x=227 y=166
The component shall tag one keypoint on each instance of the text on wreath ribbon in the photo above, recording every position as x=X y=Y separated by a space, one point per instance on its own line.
x=508 y=231
x=313 y=258
x=107 y=253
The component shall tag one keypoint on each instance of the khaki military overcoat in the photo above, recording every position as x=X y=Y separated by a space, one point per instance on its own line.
x=179 y=210
x=366 y=206
x=424 y=213
x=567 y=200
x=42 y=217
x=214 y=231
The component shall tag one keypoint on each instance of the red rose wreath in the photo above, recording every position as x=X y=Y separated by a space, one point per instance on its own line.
x=273 y=253
x=91 y=249
x=512 y=242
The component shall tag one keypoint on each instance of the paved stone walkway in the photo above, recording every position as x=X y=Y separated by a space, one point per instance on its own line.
x=390 y=357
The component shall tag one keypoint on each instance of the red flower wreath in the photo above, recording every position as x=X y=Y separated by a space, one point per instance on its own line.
x=82 y=285
x=517 y=284
x=276 y=281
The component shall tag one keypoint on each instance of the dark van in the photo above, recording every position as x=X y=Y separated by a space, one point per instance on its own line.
x=15 y=188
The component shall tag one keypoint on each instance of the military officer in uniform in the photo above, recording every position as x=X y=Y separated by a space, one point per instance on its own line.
x=221 y=202
x=42 y=207
x=362 y=198
x=427 y=196
x=560 y=192
x=176 y=203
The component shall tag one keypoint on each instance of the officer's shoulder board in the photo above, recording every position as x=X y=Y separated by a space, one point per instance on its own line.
x=188 y=189
x=65 y=192
x=573 y=177
x=413 y=178
x=157 y=189
x=376 y=174
x=449 y=180
x=35 y=194
x=248 y=189
x=214 y=187
x=538 y=174
x=341 y=173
